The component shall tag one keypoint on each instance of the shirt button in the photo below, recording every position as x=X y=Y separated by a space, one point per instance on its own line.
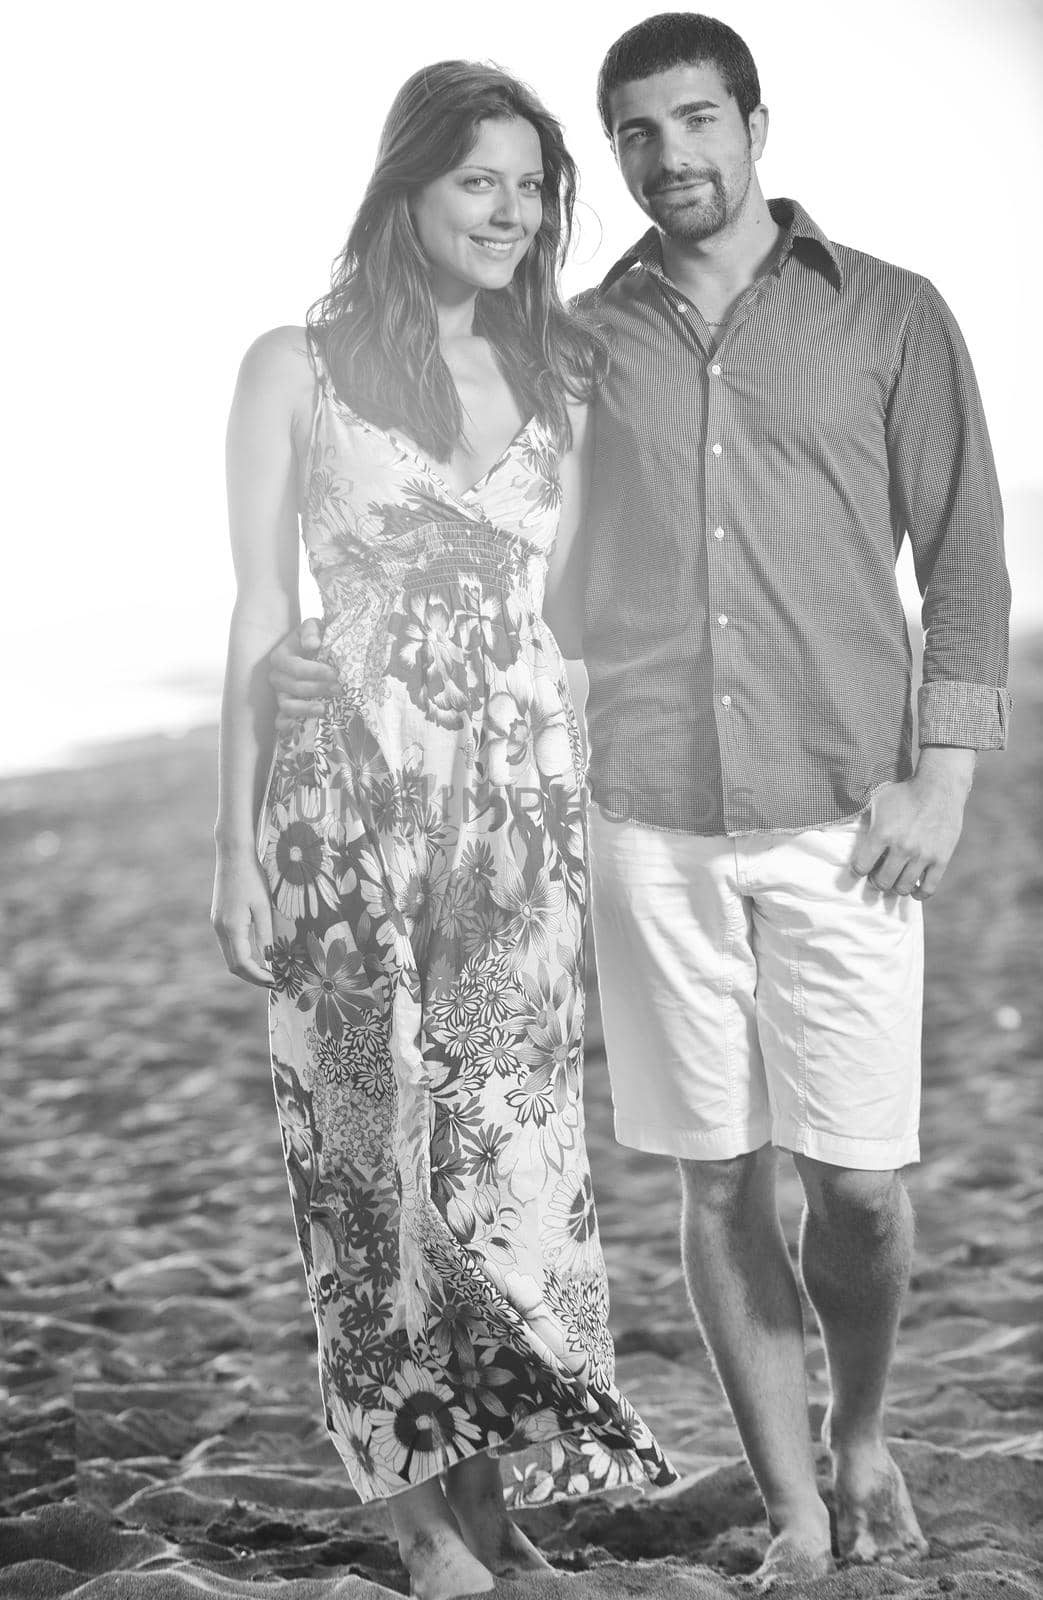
x=726 y=699
x=718 y=533
x=715 y=369
x=717 y=449
x=723 y=620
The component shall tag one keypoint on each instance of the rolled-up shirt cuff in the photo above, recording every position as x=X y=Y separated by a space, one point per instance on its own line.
x=973 y=715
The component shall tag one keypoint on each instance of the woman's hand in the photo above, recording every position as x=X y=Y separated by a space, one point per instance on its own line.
x=241 y=916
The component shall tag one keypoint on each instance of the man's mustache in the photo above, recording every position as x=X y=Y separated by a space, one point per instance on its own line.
x=678 y=180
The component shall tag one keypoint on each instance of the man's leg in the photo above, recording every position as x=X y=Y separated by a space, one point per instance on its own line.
x=678 y=981
x=839 y=1015
x=856 y=1251
x=745 y=1296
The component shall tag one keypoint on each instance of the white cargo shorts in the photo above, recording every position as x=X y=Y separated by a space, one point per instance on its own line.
x=755 y=991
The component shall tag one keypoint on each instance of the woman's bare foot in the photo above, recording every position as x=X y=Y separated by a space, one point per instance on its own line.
x=474 y=1491
x=505 y=1549
x=797 y=1554
x=441 y=1567
x=875 y=1517
x=433 y=1552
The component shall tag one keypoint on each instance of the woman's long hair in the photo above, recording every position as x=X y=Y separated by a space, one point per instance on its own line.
x=377 y=328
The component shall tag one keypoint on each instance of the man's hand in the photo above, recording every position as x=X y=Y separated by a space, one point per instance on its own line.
x=914 y=827
x=302 y=684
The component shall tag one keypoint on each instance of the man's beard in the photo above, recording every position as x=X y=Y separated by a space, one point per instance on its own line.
x=694 y=215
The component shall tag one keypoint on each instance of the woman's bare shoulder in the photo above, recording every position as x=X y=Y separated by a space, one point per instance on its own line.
x=279 y=360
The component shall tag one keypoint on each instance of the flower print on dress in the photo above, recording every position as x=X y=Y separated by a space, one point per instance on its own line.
x=485 y=1381
x=531 y=495
x=483 y=631
x=363 y=1217
x=539 y=456
x=416 y=788
x=580 y=1306
x=289 y=965
x=386 y=809
x=359 y=1056
x=421 y=1427
x=418 y=886
x=469 y=921
x=383 y=917
x=533 y=1100
x=496 y=992
x=297 y=858
x=447 y=1167
x=372 y=1070
x=428 y=658
x=457 y=1048
x=359 y=765
x=571 y=1225
x=500 y=1055
x=327 y=493
x=607 y=1468
x=304 y=756
x=453 y=1325
x=429 y=827
x=478 y=865
x=532 y=1487
x=336 y=986
x=461 y=1112
x=360 y=1132
x=493 y=1223
x=525 y=728
x=532 y=904
x=550 y=1043
x=549 y=1140
x=367 y=1310
x=439 y=1184
x=461 y=1007
x=352 y=1430
x=485 y=1150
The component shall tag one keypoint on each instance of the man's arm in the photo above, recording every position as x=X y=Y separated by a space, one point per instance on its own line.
x=944 y=493
x=563 y=599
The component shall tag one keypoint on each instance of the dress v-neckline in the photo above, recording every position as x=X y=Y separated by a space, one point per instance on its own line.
x=425 y=462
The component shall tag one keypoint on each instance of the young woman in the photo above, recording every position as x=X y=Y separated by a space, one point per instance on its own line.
x=419 y=907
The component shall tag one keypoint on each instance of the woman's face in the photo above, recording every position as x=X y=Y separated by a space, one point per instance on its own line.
x=476 y=222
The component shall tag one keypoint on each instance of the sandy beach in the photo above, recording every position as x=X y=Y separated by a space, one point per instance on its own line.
x=160 y=1435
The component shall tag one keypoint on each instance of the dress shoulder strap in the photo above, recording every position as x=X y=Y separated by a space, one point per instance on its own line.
x=323 y=390
x=318 y=365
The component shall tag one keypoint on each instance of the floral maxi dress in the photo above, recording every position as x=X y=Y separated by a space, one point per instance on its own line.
x=424 y=842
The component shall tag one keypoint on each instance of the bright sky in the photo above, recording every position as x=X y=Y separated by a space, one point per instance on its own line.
x=183 y=177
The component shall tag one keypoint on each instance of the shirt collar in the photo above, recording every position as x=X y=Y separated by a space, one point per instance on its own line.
x=801 y=236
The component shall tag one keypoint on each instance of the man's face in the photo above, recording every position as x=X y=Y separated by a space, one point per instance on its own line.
x=684 y=149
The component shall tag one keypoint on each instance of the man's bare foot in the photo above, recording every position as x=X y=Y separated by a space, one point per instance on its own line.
x=875 y=1517
x=441 y=1567
x=795 y=1556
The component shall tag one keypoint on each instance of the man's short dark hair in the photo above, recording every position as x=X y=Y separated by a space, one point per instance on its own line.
x=680 y=39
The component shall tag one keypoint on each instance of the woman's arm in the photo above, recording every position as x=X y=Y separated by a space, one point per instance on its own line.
x=563 y=601
x=273 y=391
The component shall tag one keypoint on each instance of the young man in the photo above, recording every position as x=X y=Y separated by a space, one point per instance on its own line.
x=779 y=413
